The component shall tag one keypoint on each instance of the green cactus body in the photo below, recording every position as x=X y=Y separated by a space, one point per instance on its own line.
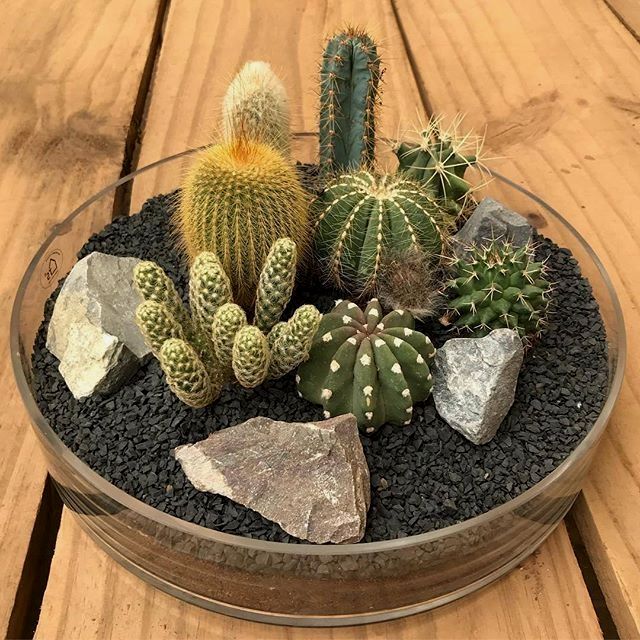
x=499 y=286
x=362 y=216
x=157 y=324
x=372 y=366
x=275 y=284
x=255 y=105
x=209 y=289
x=291 y=343
x=236 y=201
x=349 y=79
x=251 y=357
x=186 y=375
x=228 y=320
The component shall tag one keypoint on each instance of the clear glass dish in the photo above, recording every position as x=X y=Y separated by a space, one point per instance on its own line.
x=300 y=584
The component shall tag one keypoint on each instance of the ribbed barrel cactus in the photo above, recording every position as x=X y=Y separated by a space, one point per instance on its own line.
x=362 y=216
x=236 y=201
x=499 y=286
x=349 y=79
x=363 y=363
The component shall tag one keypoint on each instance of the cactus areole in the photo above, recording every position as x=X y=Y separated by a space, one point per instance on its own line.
x=372 y=366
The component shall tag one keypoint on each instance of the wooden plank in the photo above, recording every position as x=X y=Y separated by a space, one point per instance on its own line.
x=66 y=102
x=558 y=83
x=628 y=12
x=96 y=598
x=89 y=595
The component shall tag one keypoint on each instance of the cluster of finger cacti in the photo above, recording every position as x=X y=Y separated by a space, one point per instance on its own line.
x=499 y=286
x=199 y=350
x=372 y=366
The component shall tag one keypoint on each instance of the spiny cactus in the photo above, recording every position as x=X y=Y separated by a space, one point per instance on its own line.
x=439 y=159
x=181 y=342
x=349 y=78
x=499 y=286
x=372 y=366
x=236 y=201
x=256 y=106
x=227 y=321
x=362 y=216
x=251 y=356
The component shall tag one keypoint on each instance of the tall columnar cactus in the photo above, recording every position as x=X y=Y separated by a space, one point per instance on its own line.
x=372 y=366
x=362 y=216
x=438 y=159
x=236 y=201
x=256 y=106
x=349 y=79
x=499 y=286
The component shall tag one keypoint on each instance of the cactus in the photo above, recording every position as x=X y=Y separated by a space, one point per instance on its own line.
x=181 y=342
x=372 y=366
x=256 y=106
x=236 y=201
x=251 y=356
x=363 y=216
x=439 y=160
x=227 y=321
x=275 y=283
x=499 y=286
x=349 y=78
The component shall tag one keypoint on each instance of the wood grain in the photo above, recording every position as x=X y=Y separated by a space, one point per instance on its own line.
x=558 y=84
x=628 y=12
x=68 y=83
x=93 y=597
x=89 y=595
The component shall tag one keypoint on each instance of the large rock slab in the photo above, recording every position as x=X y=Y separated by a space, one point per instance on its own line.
x=475 y=381
x=311 y=478
x=93 y=330
x=491 y=220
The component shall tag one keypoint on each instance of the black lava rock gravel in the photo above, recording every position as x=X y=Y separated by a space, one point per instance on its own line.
x=424 y=476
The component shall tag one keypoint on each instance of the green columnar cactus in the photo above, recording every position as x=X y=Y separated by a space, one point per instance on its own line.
x=157 y=324
x=251 y=356
x=499 y=286
x=275 y=284
x=291 y=341
x=439 y=160
x=228 y=320
x=256 y=106
x=186 y=375
x=362 y=216
x=209 y=289
x=372 y=366
x=349 y=78
x=236 y=201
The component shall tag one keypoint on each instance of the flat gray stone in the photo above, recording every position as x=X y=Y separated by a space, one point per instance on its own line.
x=93 y=330
x=492 y=220
x=475 y=381
x=310 y=478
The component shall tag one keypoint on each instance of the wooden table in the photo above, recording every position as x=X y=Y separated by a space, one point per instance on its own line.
x=90 y=91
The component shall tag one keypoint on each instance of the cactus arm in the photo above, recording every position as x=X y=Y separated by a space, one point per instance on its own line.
x=366 y=403
x=227 y=321
x=250 y=357
x=156 y=324
x=275 y=284
x=209 y=289
x=186 y=375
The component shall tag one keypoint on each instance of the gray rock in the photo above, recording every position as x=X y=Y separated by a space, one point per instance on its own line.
x=311 y=478
x=491 y=220
x=92 y=330
x=475 y=381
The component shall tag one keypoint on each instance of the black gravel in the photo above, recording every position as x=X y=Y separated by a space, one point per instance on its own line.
x=424 y=476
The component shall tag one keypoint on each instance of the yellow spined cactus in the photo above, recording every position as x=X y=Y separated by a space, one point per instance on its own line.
x=236 y=201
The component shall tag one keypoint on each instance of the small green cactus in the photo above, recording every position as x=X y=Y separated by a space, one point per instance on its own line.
x=157 y=324
x=227 y=321
x=276 y=283
x=362 y=216
x=251 y=356
x=439 y=160
x=499 y=286
x=256 y=106
x=349 y=79
x=209 y=289
x=372 y=366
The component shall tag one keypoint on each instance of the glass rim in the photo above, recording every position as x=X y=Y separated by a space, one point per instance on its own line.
x=359 y=548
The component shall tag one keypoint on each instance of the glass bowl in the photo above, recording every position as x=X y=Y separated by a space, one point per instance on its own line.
x=300 y=584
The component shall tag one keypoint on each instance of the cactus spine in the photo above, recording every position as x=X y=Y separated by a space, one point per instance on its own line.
x=236 y=201
x=256 y=106
x=349 y=78
x=361 y=217
x=372 y=366
x=499 y=286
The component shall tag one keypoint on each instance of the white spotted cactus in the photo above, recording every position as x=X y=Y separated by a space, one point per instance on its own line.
x=372 y=366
